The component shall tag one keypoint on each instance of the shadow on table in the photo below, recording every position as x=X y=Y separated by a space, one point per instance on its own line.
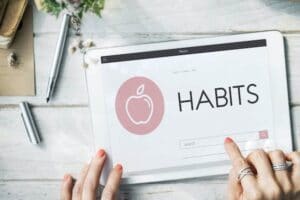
x=289 y=7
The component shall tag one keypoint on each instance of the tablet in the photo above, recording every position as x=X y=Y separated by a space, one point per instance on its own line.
x=163 y=110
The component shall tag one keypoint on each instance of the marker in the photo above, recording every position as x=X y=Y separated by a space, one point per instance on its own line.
x=58 y=55
x=29 y=123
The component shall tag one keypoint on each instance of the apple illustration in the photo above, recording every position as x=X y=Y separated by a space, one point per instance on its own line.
x=139 y=107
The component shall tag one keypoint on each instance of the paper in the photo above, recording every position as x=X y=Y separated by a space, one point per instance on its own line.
x=166 y=108
x=20 y=80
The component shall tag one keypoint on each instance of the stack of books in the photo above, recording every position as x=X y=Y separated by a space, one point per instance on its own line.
x=12 y=12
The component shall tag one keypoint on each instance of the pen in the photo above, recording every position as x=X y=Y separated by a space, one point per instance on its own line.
x=29 y=123
x=58 y=55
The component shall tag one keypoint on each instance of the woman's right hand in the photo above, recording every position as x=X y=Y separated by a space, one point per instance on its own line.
x=265 y=182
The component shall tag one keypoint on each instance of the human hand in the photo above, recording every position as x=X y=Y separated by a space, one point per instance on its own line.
x=85 y=187
x=265 y=182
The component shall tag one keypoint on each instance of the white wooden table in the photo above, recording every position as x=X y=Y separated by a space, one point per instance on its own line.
x=35 y=172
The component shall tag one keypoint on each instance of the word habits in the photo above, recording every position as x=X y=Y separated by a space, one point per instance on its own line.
x=235 y=95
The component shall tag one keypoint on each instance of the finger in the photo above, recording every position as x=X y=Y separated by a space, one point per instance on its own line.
x=294 y=157
x=265 y=175
x=260 y=160
x=78 y=187
x=93 y=175
x=239 y=163
x=282 y=176
x=66 y=188
x=113 y=182
x=234 y=187
x=232 y=150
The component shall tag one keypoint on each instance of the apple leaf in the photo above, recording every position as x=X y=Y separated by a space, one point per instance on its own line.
x=140 y=89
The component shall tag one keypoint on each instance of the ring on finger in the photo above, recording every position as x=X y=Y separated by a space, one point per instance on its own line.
x=280 y=166
x=244 y=172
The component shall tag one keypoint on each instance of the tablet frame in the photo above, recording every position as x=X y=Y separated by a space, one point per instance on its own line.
x=278 y=86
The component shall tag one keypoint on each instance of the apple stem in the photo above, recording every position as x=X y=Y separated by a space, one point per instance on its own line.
x=140 y=89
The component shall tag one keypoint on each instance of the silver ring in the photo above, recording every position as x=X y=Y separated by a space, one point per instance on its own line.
x=280 y=166
x=244 y=172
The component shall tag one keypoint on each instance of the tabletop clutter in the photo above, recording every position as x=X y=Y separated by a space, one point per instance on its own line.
x=16 y=48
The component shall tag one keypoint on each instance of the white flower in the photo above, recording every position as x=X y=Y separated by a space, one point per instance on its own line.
x=88 y=43
x=59 y=1
x=73 y=3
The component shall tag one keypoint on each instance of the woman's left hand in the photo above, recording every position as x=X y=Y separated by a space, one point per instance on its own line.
x=85 y=187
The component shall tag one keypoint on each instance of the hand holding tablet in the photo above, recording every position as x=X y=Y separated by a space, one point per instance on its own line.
x=247 y=179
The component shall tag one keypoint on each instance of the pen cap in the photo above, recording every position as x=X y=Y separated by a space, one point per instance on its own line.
x=29 y=123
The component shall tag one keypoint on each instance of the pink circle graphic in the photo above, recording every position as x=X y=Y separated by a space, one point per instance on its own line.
x=139 y=105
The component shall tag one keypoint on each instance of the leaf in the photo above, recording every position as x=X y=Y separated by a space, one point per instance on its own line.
x=140 y=89
x=80 y=14
x=94 y=6
x=52 y=7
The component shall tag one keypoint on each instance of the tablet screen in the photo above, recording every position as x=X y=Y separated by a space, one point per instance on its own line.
x=172 y=108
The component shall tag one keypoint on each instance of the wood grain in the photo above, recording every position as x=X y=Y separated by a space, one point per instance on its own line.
x=178 y=16
x=71 y=88
x=29 y=190
x=187 y=190
x=67 y=143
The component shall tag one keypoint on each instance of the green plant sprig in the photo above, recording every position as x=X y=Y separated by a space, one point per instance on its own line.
x=54 y=8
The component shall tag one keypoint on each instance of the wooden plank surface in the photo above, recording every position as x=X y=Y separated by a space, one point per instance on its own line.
x=179 y=16
x=34 y=172
x=67 y=143
x=71 y=88
x=187 y=190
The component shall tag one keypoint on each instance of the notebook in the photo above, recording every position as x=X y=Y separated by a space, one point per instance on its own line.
x=163 y=110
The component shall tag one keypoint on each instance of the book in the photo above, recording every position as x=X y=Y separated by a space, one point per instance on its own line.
x=163 y=110
x=11 y=20
x=19 y=80
x=3 y=4
x=39 y=4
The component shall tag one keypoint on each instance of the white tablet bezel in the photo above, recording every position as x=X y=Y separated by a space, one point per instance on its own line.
x=279 y=92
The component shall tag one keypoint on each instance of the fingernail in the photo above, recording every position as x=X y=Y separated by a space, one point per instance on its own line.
x=66 y=177
x=100 y=153
x=228 y=140
x=89 y=161
x=119 y=167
